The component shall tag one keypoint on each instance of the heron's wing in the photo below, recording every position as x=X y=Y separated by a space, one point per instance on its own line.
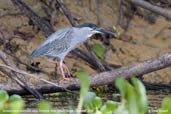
x=54 y=44
x=60 y=34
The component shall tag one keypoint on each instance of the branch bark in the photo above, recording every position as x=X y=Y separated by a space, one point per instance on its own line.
x=103 y=78
x=42 y=24
x=66 y=12
x=19 y=78
x=152 y=8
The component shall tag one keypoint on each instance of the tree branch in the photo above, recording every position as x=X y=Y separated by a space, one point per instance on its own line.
x=42 y=24
x=19 y=77
x=66 y=12
x=152 y=8
x=104 y=78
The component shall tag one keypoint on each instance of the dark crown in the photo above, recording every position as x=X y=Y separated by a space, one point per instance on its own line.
x=87 y=25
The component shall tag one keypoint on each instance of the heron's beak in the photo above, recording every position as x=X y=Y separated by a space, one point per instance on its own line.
x=101 y=30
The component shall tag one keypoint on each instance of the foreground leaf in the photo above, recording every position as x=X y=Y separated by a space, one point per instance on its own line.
x=166 y=106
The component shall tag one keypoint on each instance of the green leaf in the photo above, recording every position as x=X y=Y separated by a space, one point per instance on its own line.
x=132 y=101
x=166 y=106
x=84 y=87
x=14 y=98
x=104 y=109
x=120 y=85
x=3 y=96
x=98 y=50
x=121 y=109
x=141 y=95
x=84 y=82
x=88 y=100
x=1 y=106
x=16 y=104
x=97 y=101
x=111 y=105
x=45 y=107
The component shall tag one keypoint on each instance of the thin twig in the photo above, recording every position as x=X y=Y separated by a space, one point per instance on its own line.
x=98 y=12
x=119 y=18
x=66 y=12
x=27 y=65
x=32 y=76
x=20 y=82
x=19 y=76
x=43 y=25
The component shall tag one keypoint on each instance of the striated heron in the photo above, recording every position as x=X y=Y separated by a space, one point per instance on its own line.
x=61 y=42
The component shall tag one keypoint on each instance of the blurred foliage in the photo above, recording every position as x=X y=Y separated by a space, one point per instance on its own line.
x=133 y=100
x=133 y=95
x=84 y=82
x=10 y=104
x=165 y=107
x=84 y=87
x=44 y=107
x=98 y=49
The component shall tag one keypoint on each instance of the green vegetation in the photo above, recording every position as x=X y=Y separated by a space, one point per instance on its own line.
x=45 y=107
x=165 y=107
x=98 y=49
x=10 y=104
x=133 y=100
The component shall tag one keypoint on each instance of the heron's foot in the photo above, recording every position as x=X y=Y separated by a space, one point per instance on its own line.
x=66 y=75
x=65 y=78
x=66 y=70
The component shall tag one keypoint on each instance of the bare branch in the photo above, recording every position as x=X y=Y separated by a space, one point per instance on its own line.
x=104 y=78
x=20 y=76
x=42 y=24
x=31 y=75
x=66 y=12
x=24 y=63
x=152 y=8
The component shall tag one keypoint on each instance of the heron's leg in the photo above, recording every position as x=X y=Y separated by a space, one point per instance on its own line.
x=54 y=61
x=62 y=70
x=66 y=69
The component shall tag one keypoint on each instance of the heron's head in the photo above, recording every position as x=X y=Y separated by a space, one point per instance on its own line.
x=89 y=29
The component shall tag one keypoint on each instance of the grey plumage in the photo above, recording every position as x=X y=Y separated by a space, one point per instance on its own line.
x=55 y=44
